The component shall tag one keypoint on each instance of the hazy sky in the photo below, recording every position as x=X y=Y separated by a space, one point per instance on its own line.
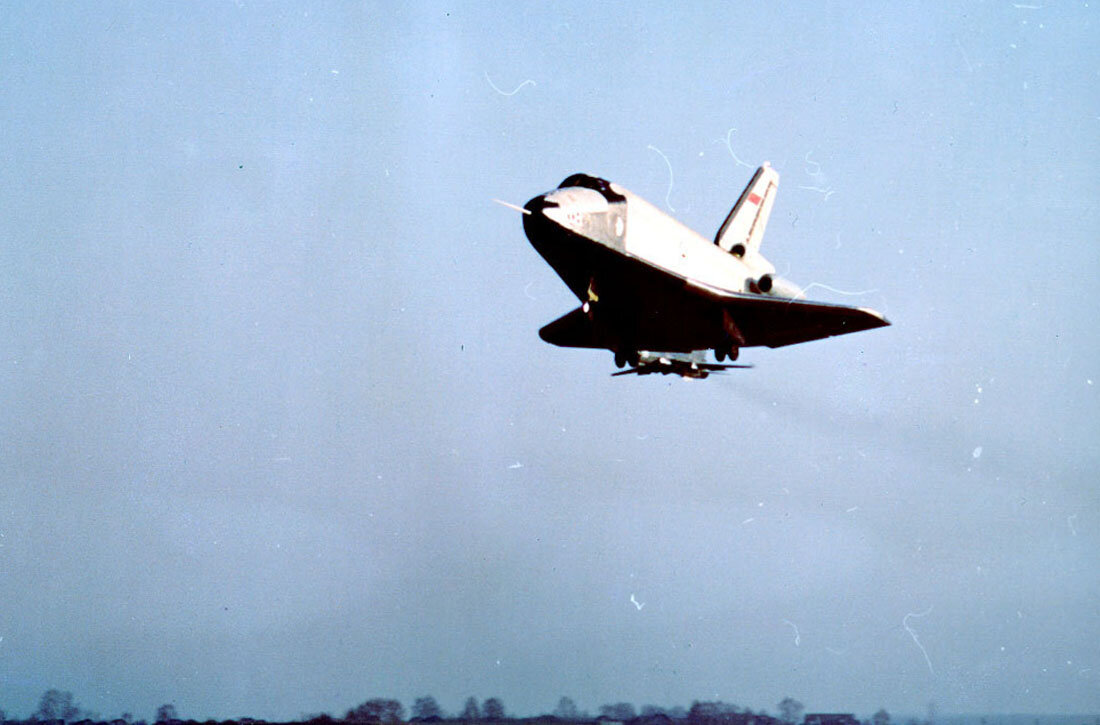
x=277 y=432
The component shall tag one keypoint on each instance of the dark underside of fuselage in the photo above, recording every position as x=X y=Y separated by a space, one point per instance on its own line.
x=632 y=305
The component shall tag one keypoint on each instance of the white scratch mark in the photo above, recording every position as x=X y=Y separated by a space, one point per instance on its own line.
x=730 y=147
x=837 y=652
x=515 y=465
x=525 y=291
x=748 y=521
x=905 y=623
x=854 y=508
x=1069 y=520
x=1021 y=6
x=797 y=636
x=977 y=452
x=839 y=291
x=969 y=67
x=827 y=191
x=813 y=174
x=503 y=93
x=820 y=180
x=667 y=162
x=636 y=603
x=281 y=459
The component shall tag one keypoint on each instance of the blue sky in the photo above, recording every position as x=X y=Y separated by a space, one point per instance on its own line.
x=270 y=360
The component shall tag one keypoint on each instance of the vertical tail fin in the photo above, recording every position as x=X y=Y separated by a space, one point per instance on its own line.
x=743 y=229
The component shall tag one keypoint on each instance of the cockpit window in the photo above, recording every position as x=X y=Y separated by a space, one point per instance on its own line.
x=595 y=183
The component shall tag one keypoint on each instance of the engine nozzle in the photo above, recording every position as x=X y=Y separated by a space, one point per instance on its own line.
x=775 y=286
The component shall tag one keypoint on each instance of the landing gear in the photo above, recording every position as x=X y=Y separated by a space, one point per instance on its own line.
x=734 y=340
x=727 y=350
x=626 y=357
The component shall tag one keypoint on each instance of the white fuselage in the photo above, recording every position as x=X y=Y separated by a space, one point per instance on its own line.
x=640 y=230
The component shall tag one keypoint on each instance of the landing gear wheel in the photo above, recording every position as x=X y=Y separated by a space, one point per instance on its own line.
x=620 y=359
x=727 y=350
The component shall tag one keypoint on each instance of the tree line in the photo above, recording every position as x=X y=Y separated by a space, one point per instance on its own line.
x=59 y=708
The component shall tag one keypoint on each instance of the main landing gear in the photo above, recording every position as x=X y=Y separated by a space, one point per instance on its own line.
x=730 y=347
x=728 y=350
x=626 y=357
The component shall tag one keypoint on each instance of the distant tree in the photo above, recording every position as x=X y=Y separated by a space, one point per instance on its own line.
x=702 y=713
x=3 y=716
x=378 y=710
x=470 y=711
x=126 y=717
x=790 y=710
x=57 y=705
x=566 y=709
x=711 y=713
x=622 y=711
x=880 y=718
x=166 y=713
x=426 y=707
x=492 y=709
x=656 y=715
x=677 y=712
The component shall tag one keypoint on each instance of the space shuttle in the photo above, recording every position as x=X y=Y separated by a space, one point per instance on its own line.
x=660 y=296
